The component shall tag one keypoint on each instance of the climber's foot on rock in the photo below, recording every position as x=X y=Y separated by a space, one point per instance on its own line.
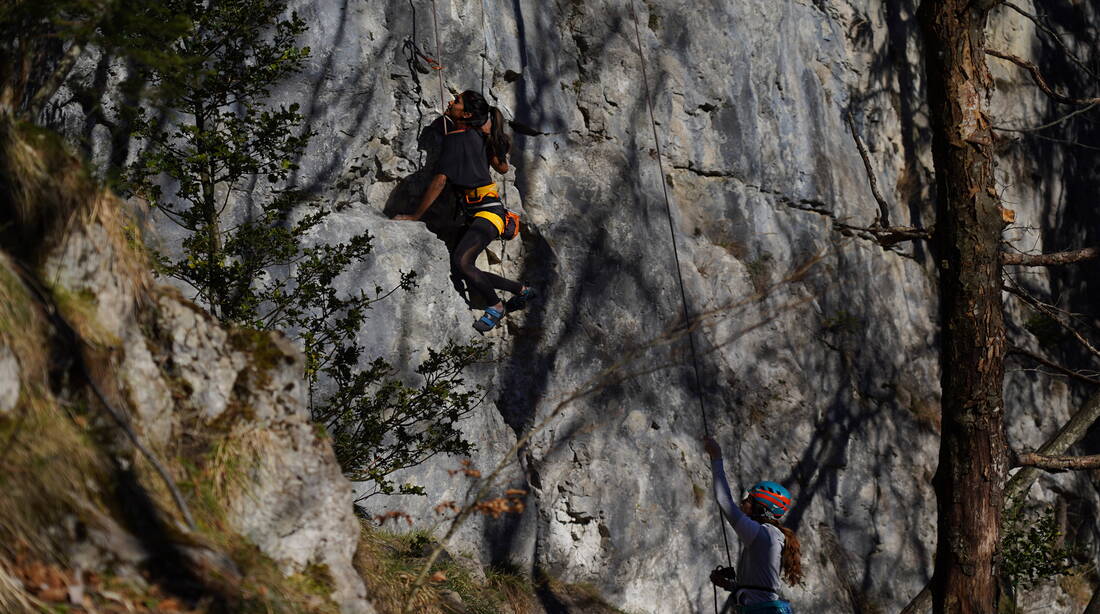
x=520 y=301
x=489 y=321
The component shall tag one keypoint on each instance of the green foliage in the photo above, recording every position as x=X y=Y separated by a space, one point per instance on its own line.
x=34 y=35
x=199 y=77
x=215 y=136
x=218 y=136
x=1031 y=552
x=379 y=425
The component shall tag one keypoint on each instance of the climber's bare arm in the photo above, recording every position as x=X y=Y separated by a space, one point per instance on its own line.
x=431 y=193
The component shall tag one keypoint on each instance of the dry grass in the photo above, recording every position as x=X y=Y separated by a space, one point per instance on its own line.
x=515 y=589
x=389 y=564
x=576 y=597
x=57 y=469
x=44 y=185
x=47 y=195
x=22 y=327
x=1080 y=586
x=384 y=563
x=13 y=599
x=51 y=471
x=215 y=479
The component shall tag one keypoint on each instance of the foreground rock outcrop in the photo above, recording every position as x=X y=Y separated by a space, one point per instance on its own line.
x=91 y=348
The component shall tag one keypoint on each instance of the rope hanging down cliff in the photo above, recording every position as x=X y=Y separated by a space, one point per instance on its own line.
x=437 y=66
x=675 y=253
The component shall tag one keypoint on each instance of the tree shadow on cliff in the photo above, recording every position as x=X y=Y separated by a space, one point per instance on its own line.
x=604 y=276
x=533 y=354
x=857 y=358
x=1066 y=157
x=316 y=105
x=1065 y=168
x=896 y=81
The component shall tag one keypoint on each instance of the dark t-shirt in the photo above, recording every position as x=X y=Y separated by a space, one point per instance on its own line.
x=464 y=159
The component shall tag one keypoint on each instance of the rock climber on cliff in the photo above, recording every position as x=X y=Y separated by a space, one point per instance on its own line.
x=767 y=547
x=474 y=139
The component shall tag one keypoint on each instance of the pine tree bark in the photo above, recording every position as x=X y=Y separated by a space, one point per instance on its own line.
x=973 y=462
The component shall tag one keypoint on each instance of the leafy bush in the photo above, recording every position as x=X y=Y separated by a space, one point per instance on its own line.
x=1031 y=551
x=210 y=134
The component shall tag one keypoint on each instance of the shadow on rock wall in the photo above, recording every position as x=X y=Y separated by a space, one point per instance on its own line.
x=1067 y=172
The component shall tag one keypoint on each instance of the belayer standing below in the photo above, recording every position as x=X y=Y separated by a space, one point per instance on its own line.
x=767 y=547
x=474 y=139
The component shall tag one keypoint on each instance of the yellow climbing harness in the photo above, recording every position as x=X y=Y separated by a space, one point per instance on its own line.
x=494 y=218
x=476 y=196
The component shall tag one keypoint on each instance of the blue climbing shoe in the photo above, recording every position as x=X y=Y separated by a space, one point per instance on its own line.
x=488 y=321
x=519 y=301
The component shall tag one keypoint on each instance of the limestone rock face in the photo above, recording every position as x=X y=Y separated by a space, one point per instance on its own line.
x=817 y=362
x=187 y=383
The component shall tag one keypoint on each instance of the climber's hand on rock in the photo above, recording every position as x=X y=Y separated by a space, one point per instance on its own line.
x=406 y=218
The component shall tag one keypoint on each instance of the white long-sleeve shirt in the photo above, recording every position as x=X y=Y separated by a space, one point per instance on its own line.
x=761 y=544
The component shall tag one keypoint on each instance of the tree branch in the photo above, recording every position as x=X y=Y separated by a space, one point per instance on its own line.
x=1068 y=435
x=1056 y=463
x=1050 y=32
x=883 y=208
x=891 y=235
x=921 y=603
x=1051 y=123
x=1054 y=259
x=1019 y=351
x=1066 y=142
x=1037 y=77
x=1052 y=313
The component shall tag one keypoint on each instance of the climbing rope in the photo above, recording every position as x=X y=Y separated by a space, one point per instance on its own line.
x=485 y=50
x=679 y=273
x=436 y=65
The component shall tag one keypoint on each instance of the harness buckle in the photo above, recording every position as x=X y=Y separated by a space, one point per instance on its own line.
x=477 y=195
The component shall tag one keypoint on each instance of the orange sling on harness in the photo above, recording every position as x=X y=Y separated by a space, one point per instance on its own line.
x=507 y=226
x=477 y=195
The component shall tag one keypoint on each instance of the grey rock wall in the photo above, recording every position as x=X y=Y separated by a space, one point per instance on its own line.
x=817 y=353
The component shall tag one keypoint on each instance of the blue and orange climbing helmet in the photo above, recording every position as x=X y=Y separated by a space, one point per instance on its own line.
x=775 y=499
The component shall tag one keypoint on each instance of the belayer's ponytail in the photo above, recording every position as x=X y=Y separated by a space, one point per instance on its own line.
x=480 y=112
x=790 y=560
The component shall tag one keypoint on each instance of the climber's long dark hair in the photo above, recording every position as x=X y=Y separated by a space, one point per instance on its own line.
x=480 y=111
x=790 y=560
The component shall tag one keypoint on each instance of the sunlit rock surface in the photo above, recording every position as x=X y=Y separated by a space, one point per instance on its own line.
x=817 y=359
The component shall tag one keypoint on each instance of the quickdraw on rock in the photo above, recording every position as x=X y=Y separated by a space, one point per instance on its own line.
x=414 y=49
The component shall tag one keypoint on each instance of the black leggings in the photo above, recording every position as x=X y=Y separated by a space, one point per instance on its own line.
x=479 y=234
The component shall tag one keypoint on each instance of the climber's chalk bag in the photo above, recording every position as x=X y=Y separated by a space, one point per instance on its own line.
x=511 y=225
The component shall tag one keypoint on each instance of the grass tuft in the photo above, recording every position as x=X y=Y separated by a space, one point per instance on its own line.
x=389 y=563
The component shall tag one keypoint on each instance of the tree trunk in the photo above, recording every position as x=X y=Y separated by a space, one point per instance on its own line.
x=211 y=220
x=973 y=461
